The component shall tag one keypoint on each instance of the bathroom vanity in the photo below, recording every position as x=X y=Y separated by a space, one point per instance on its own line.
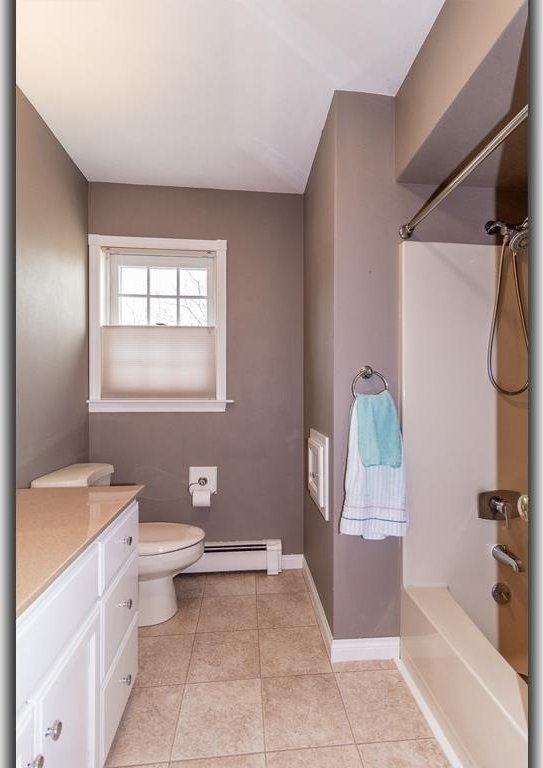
x=77 y=622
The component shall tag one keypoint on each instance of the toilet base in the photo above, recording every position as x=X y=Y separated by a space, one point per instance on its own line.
x=157 y=600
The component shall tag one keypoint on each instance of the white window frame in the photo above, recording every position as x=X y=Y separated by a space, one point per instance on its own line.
x=99 y=289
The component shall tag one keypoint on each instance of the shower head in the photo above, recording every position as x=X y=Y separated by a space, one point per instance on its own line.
x=519 y=238
x=516 y=236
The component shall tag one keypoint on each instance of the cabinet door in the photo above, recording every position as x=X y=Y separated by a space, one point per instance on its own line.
x=25 y=754
x=67 y=706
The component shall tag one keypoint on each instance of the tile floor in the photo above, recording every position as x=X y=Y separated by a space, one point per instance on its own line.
x=239 y=678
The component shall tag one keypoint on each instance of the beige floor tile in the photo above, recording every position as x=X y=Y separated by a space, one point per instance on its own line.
x=363 y=666
x=224 y=656
x=152 y=765
x=238 y=761
x=380 y=706
x=227 y=613
x=219 y=719
x=183 y=623
x=292 y=609
x=304 y=711
x=189 y=585
x=163 y=660
x=147 y=728
x=292 y=651
x=286 y=581
x=425 y=753
x=228 y=584
x=322 y=757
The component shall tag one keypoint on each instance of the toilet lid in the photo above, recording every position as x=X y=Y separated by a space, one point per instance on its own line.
x=157 y=538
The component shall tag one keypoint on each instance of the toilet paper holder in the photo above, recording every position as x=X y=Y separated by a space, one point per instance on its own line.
x=202 y=482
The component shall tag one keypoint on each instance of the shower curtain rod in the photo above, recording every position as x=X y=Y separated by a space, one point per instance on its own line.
x=406 y=230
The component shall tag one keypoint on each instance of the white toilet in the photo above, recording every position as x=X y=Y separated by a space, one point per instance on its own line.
x=165 y=549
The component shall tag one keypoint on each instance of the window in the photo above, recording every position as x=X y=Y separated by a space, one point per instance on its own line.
x=157 y=324
x=161 y=290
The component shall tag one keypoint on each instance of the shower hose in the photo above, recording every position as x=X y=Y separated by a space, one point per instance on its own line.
x=497 y=303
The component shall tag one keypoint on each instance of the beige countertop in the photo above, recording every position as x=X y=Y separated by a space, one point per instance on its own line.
x=54 y=526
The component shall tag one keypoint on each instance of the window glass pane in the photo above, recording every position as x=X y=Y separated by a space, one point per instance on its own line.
x=132 y=310
x=193 y=282
x=163 y=311
x=163 y=281
x=133 y=280
x=192 y=311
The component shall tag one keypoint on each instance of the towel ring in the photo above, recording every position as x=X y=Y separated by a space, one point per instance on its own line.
x=366 y=372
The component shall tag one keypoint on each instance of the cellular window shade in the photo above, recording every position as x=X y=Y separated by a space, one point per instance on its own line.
x=158 y=362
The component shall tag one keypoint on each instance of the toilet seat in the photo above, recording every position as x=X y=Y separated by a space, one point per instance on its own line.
x=160 y=538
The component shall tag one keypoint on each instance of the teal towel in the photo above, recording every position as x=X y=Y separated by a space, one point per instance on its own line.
x=379 y=440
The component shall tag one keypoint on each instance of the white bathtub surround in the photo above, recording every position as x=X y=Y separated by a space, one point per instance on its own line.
x=450 y=625
x=375 y=499
x=450 y=422
x=355 y=649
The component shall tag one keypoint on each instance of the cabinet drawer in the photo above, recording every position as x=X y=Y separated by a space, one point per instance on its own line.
x=118 y=686
x=67 y=705
x=51 y=623
x=119 y=544
x=120 y=607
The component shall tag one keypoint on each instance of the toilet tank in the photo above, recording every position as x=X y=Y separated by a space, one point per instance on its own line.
x=74 y=476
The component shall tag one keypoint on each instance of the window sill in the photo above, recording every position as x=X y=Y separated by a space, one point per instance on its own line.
x=158 y=406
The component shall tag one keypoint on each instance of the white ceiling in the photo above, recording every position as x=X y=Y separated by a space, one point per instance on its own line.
x=228 y=94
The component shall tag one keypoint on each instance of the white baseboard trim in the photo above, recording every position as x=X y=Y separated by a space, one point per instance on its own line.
x=366 y=649
x=292 y=562
x=319 y=610
x=356 y=649
x=433 y=723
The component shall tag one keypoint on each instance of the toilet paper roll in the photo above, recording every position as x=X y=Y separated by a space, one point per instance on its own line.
x=201 y=498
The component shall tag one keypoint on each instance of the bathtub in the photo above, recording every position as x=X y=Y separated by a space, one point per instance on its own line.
x=476 y=702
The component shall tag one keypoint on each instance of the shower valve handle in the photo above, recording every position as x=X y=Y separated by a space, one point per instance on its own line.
x=501 y=508
x=498 y=505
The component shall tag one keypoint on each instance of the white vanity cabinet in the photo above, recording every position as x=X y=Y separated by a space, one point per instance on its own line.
x=77 y=654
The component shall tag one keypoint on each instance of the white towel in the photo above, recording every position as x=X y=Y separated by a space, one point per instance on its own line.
x=375 y=500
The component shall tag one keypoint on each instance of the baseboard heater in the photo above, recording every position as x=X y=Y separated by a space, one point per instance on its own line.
x=239 y=556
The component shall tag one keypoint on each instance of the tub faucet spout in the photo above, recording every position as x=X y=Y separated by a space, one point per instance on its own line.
x=504 y=556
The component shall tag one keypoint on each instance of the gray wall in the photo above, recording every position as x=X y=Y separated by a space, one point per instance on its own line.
x=319 y=250
x=367 y=573
x=257 y=443
x=353 y=208
x=51 y=301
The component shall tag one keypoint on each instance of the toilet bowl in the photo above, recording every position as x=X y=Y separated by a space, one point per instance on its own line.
x=164 y=549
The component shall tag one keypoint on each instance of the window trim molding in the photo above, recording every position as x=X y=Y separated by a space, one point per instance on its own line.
x=98 y=247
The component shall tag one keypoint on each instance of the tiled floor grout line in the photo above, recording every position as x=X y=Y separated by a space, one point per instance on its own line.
x=181 y=701
x=344 y=707
x=261 y=696
x=185 y=683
